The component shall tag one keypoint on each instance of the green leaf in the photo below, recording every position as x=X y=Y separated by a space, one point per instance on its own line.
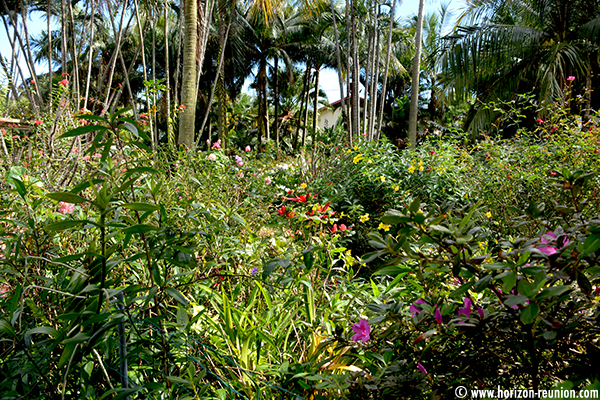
x=482 y=283
x=552 y=292
x=584 y=283
x=67 y=197
x=139 y=229
x=176 y=294
x=529 y=313
x=513 y=300
x=62 y=225
x=414 y=206
x=141 y=206
x=46 y=330
x=509 y=281
x=591 y=244
x=526 y=288
x=392 y=270
x=82 y=130
x=463 y=289
x=80 y=337
x=440 y=228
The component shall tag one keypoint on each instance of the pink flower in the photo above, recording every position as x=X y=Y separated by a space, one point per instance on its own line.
x=268 y=180
x=432 y=152
x=550 y=237
x=362 y=331
x=217 y=144
x=211 y=157
x=571 y=78
x=539 y=120
x=421 y=368
x=416 y=310
x=438 y=316
x=248 y=149
x=66 y=208
x=467 y=308
x=480 y=312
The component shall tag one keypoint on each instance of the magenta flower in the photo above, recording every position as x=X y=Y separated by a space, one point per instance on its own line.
x=248 y=149
x=467 y=308
x=421 y=368
x=362 y=331
x=438 y=316
x=550 y=237
x=571 y=78
x=480 y=312
x=217 y=144
x=414 y=309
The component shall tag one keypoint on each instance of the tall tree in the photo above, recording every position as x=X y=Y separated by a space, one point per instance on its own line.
x=416 y=73
x=188 y=85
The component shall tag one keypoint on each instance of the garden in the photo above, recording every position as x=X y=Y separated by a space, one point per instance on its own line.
x=179 y=221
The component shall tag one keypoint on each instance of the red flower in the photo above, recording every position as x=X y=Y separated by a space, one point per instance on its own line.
x=65 y=74
x=64 y=82
x=302 y=198
x=281 y=210
x=432 y=152
x=38 y=122
x=334 y=229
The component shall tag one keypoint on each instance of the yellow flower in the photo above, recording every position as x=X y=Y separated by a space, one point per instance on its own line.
x=341 y=215
x=488 y=214
x=357 y=159
x=396 y=188
x=411 y=169
x=382 y=178
x=303 y=185
x=421 y=168
x=364 y=218
x=349 y=253
x=355 y=147
x=383 y=226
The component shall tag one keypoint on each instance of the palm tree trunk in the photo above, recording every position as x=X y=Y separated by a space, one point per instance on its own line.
x=178 y=59
x=387 y=68
x=305 y=123
x=350 y=86
x=63 y=37
x=373 y=94
x=170 y=135
x=368 y=77
x=153 y=115
x=48 y=15
x=414 y=97
x=302 y=102
x=91 y=51
x=339 y=65
x=316 y=103
x=188 y=84
x=276 y=113
x=355 y=74
x=74 y=59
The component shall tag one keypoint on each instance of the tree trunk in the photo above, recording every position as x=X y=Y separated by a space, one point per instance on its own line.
x=339 y=65
x=373 y=95
x=170 y=135
x=276 y=113
x=350 y=86
x=305 y=123
x=368 y=78
x=355 y=75
x=188 y=84
x=385 y=73
x=91 y=52
x=48 y=15
x=316 y=104
x=414 y=97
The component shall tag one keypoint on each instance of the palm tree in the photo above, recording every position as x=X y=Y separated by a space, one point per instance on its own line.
x=188 y=84
x=518 y=46
x=414 y=97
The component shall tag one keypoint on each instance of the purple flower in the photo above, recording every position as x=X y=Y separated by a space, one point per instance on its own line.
x=238 y=160
x=362 y=331
x=480 y=312
x=421 y=368
x=467 y=308
x=550 y=237
x=438 y=316
x=416 y=310
x=254 y=271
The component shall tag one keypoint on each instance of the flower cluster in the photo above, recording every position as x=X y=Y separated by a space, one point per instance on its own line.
x=66 y=208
